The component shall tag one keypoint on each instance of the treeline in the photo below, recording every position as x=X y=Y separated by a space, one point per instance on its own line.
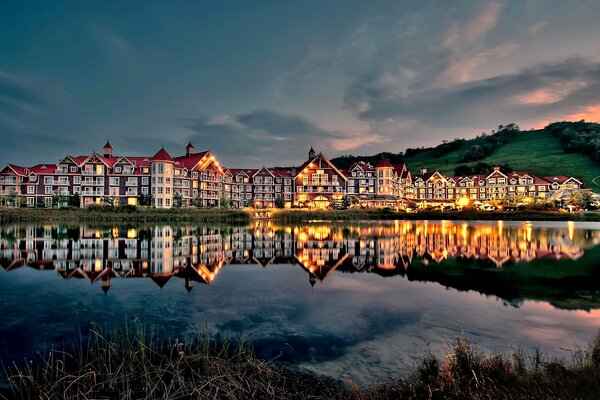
x=343 y=162
x=578 y=137
x=486 y=144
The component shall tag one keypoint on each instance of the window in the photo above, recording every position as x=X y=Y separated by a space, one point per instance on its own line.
x=76 y=189
x=73 y=169
x=48 y=190
x=144 y=190
x=144 y=180
x=30 y=201
x=76 y=180
x=48 y=201
x=48 y=180
x=161 y=168
x=118 y=170
x=168 y=202
x=114 y=181
x=168 y=190
x=33 y=178
x=30 y=189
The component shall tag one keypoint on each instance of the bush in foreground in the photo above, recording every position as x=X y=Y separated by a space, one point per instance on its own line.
x=131 y=364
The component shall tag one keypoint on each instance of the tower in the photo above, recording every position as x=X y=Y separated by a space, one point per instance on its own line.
x=311 y=153
x=107 y=149
x=189 y=149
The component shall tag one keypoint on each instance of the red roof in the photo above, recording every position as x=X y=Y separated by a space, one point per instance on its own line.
x=139 y=161
x=383 y=163
x=162 y=155
x=18 y=170
x=282 y=173
x=107 y=145
x=249 y=172
x=43 y=169
x=192 y=161
x=189 y=146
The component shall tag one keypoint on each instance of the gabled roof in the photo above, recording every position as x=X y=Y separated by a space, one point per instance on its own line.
x=383 y=163
x=107 y=145
x=322 y=157
x=16 y=169
x=247 y=172
x=265 y=170
x=560 y=179
x=162 y=155
x=193 y=161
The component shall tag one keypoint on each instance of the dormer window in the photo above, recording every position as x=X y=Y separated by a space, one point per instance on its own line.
x=118 y=170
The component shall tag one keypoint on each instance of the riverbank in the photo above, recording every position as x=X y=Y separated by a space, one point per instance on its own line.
x=102 y=215
x=131 y=364
x=296 y=216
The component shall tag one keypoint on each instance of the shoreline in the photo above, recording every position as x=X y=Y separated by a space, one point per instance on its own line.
x=245 y=216
x=136 y=362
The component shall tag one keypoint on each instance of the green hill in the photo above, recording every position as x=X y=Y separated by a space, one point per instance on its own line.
x=562 y=148
x=536 y=151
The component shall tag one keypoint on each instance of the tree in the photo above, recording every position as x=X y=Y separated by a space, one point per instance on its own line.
x=177 y=200
x=74 y=200
x=59 y=200
x=110 y=201
x=225 y=202
x=582 y=199
x=279 y=201
x=11 y=198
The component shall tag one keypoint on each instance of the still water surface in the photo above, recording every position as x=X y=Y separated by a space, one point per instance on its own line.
x=361 y=301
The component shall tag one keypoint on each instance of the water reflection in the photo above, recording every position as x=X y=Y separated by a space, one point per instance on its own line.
x=429 y=251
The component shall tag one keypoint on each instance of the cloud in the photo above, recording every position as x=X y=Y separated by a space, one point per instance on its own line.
x=538 y=27
x=544 y=91
x=265 y=137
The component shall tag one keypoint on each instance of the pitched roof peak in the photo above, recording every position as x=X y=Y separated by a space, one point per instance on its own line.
x=162 y=155
x=107 y=145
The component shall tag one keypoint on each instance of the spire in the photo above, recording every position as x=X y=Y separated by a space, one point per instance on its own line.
x=311 y=153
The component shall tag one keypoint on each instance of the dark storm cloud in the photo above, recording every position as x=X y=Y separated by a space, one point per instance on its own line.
x=264 y=134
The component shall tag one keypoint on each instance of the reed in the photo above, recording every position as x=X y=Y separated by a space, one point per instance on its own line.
x=107 y=214
x=134 y=363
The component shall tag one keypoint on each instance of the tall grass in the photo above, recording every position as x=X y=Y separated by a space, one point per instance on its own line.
x=122 y=214
x=134 y=363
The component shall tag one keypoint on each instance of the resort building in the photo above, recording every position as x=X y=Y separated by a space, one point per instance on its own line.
x=318 y=183
x=197 y=179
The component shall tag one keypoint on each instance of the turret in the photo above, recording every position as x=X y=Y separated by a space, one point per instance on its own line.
x=107 y=149
x=423 y=170
x=189 y=149
x=311 y=153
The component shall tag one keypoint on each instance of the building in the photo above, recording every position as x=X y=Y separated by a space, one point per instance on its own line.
x=197 y=179
x=318 y=183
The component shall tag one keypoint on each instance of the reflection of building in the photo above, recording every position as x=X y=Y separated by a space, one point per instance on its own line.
x=197 y=254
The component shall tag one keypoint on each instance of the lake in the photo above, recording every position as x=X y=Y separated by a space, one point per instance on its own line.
x=360 y=300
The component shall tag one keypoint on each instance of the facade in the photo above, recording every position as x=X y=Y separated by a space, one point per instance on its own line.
x=197 y=179
x=318 y=183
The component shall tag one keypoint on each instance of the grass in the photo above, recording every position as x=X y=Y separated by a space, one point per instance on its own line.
x=535 y=151
x=109 y=214
x=132 y=363
x=296 y=216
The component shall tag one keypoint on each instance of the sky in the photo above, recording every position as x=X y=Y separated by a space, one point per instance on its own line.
x=259 y=82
